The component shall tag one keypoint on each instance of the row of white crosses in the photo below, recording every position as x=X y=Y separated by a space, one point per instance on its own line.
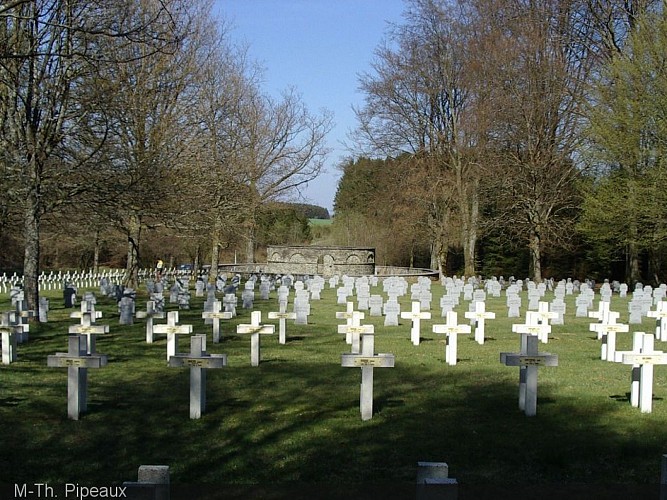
x=643 y=355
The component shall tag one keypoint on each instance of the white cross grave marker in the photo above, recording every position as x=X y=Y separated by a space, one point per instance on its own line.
x=451 y=330
x=77 y=362
x=198 y=360
x=255 y=329
x=529 y=359
x=172 y=329
x=660 y=314
x=355 y=329
x=479 y=315
x=282 y=316
x=215 y=315
x=89 y=330
x=416 y=315
x=367 y=360
x=637 y=343
x=646 y=360
x=607 y=333
x=150 y=313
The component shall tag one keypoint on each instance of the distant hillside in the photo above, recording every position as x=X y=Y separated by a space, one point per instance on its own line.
x=311 y=211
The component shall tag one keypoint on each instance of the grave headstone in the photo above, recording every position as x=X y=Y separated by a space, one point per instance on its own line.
x=282 y=316
x=367 y=360
x=375 y=305
x=479 y=317
x=392 y=310
x=150 y=313
x=172 y=329
x=531 y=359
x=416 y=315
x=452 y=330
x=215 y=315
x=77 y=362
x=646 y=360
x=198 y=360
x=255 y=329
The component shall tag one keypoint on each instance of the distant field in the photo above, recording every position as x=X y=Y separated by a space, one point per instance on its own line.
x=320 y=222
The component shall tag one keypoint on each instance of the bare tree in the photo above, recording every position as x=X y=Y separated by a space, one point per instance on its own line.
x=418 y=100
x=47 y=50
x=283 y=148
x=535 y=66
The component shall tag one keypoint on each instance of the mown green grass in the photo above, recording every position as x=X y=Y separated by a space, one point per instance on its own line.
x=295 y=418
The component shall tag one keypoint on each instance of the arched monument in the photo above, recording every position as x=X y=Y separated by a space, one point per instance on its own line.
x=323 y=260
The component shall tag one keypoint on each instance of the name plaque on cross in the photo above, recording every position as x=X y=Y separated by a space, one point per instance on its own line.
x=198 y=360
x=644 y=359
x=380 y=360
x=529 y=360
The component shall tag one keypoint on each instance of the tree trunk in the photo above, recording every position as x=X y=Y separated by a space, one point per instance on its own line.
x=632 y=272
x=535 y=247
x=133 y=239
x=250 y=244
x=96 y=253
x=31 y=255
x=470 y=233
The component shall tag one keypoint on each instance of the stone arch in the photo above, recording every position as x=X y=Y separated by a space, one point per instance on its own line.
x=297 y=258
x=353 y=259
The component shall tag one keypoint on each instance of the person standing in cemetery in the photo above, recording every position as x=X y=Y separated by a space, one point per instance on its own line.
x=158 y=269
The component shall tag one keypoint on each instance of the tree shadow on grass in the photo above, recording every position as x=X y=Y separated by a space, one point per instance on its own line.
x=299 y=422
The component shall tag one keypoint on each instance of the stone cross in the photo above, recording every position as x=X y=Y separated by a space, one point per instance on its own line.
x=348 y=315
x=478 y=316
x=637 y=344
x=215 y=315
x=90 y=330
x=367 y=360
x=198 y=360
x=77 y=362
x=255 y=329
x=542 y=316
x=416 y=315
x=645 y=361
x=451 y=330
x=150 y=313
x=607 y=333
x=531 y=359
x=282 y=316
x=87 y=308
x=354 y=329
x=602 y=314
x=660 y=314
x=172 y=329
x=532 y=326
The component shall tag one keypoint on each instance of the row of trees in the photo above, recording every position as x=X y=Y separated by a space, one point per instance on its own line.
x=515 y=123
x=130 y=115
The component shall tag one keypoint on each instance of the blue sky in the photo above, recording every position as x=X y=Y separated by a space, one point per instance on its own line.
x=320 y=47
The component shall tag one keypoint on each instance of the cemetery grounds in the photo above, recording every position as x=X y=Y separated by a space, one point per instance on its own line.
x=295 y=418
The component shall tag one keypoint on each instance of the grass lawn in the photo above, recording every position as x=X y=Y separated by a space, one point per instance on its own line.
x=295 y=419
